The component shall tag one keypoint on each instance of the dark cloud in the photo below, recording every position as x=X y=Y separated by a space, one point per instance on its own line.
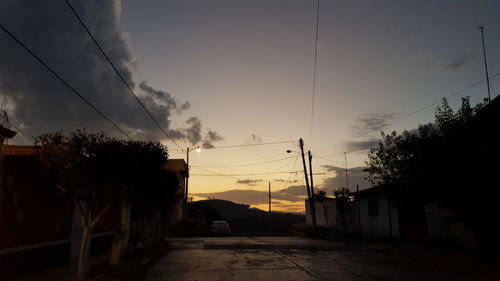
x=164 y=98
x=360 y=145
x=249 y=182
x=210 y=138
x=256 y=138
x=356 y=177
x=371 y=123
x=292 y=194
x=40 y=103
x=366 y=128
x=459 y=63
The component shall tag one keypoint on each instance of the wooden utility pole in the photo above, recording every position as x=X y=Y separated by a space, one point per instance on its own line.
x=312 y=188
x=359 y=208
x=309 y=197
x=187 y=178
x=270 y=226
x=346 y=171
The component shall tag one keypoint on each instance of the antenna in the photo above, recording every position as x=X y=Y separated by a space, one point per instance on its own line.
x=485 y=63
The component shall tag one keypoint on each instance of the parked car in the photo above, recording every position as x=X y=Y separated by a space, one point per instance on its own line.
x=220 y=228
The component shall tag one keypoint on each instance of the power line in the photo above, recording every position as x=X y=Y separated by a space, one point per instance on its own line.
x=249 y=164
x=314 y=73
x=421 y=109
x=119 y=74
x=253 y=174
x=250 y=144
x=293 y=168
x=64 y=81
x=241 y=162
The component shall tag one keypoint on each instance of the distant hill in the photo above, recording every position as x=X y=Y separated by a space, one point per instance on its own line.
x=244 y=220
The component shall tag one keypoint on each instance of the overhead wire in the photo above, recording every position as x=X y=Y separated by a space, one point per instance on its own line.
x=290 y=175
x=250 y=164
x=250 y=174
x=250 y=144
x=419 y=110
x=37 y=58
x=119 y=74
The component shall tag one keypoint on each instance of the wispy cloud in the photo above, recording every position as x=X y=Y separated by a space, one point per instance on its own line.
x=459 y=63
x=356 y=176
x=292 y=194
x=371 y=123
x=249 y=181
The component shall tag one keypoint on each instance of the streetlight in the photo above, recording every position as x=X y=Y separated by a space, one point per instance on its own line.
x=197 y=149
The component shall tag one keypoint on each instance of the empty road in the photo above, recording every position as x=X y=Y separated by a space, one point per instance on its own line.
x=293 y=258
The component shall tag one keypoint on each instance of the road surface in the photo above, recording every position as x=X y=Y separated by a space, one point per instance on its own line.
x=293 y=258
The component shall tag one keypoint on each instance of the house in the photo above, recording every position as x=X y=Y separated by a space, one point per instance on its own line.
x=370 y=212
x=5 y=133
x=377 y=213
x=180 y=169
x=326 y=212
x=38 y=226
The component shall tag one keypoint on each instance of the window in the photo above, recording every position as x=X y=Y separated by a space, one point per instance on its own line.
x=373 y=210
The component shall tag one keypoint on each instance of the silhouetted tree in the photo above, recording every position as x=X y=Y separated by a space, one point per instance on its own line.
x=446 y=162
x=320 y=197
x=342 y=195
x=135 y=167
x=72 y=159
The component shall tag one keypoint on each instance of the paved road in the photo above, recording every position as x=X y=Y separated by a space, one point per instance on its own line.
x=292 y=258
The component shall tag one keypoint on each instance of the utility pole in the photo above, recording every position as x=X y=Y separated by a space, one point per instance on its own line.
x=359 y=209
x=187 y=176
x=346 y=173
x=485 y=63
x=312 y=188
x=270 y=227
x=313 y=211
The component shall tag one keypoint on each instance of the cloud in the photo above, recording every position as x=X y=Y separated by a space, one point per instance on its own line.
x=360 y=145
x=365 y=129
x=211 y=137
x=164 y=98
x=292 y=193
x=356 y=177
x=459 y=63
x=255 y=138
x=249 y=182
x=41 y=103
x=371 y=123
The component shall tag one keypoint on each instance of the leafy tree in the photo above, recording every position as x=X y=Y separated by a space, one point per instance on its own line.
x=342 y=195
x=72 y=159
x=447 y=162
x=90 y=167
x=135 y=167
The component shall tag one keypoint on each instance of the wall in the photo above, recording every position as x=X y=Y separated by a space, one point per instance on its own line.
x=36 y=219
x=321 y=220
x=385 y=224
x=445 y=231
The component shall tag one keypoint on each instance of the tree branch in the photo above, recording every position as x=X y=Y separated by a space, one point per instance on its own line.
x=98 y=217
x=83 y=217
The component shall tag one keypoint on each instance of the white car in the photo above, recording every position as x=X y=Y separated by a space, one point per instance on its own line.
x=220 y=228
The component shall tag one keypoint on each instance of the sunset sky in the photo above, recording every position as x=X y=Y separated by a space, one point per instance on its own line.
x=232 y=74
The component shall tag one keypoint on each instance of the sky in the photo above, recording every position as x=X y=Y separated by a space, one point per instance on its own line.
x=236 y=78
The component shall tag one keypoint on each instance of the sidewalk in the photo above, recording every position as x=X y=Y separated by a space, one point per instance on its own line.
x=63 y=272
x=457 y=264
x=126 y=271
